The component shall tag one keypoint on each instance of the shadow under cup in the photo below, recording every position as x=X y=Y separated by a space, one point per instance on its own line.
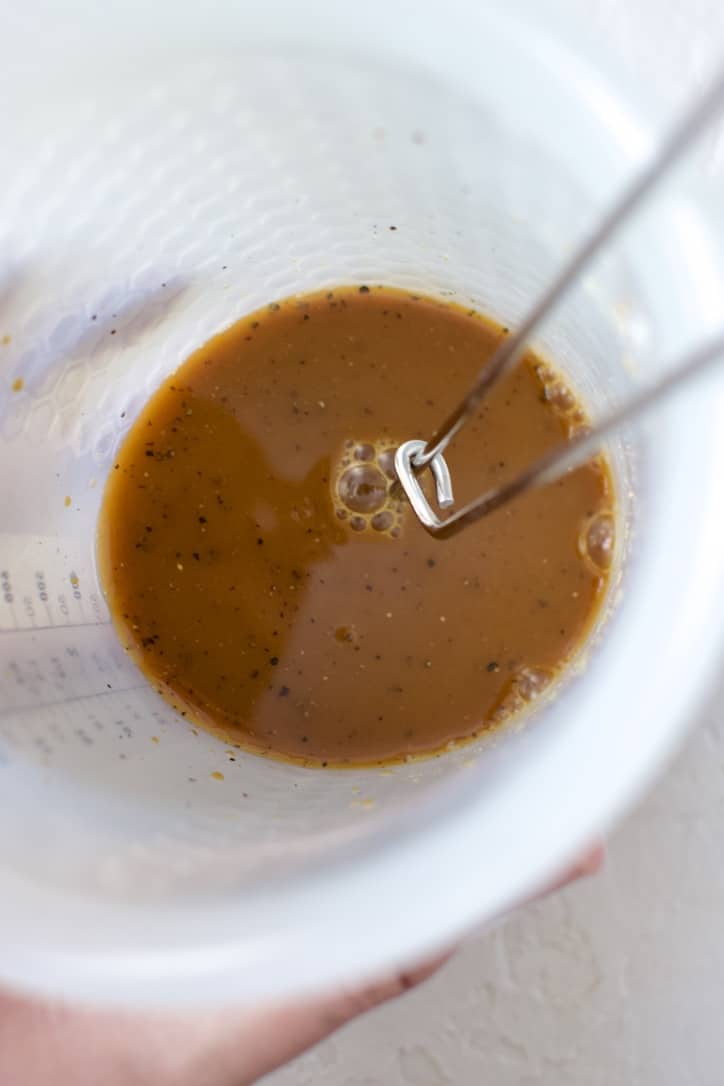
x=209 y=188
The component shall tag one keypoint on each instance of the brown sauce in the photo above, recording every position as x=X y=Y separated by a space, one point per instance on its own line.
x=333 y=629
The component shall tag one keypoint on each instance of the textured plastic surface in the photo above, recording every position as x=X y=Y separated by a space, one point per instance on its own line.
x=149 y=202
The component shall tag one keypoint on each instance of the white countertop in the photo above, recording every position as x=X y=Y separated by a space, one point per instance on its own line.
x=619 y=980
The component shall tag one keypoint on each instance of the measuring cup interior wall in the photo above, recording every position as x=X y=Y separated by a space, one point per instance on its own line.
x=209 y=189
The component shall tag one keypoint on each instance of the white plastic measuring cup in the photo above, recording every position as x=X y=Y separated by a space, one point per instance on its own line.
x=168 y=173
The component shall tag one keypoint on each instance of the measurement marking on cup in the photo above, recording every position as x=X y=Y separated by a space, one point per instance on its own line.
x=70 y=701
x=41 y=590
x=59 y=626
x=43 y=597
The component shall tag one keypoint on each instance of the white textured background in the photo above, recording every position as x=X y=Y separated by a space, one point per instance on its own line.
x=621 y=980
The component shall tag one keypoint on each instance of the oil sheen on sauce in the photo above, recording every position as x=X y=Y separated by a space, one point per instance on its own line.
x=265 y=575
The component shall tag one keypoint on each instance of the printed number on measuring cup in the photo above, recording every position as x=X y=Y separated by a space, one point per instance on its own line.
x=6 y=586
x=41 y=586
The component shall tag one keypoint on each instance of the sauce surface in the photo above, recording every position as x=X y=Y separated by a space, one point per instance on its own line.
x=277 y=592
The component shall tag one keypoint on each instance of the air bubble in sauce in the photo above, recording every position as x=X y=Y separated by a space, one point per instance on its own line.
x=524 y=686
x=382 y=521
x=363 y=488
x=364 y=452
x=386 y=461
x=597 y=541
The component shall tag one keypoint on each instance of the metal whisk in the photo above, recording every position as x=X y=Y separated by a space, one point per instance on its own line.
x=413 y=457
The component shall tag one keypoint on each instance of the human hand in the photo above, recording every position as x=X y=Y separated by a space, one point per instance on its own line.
x=43 y=1044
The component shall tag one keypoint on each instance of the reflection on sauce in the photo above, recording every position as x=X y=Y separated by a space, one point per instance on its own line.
x=273 y=587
